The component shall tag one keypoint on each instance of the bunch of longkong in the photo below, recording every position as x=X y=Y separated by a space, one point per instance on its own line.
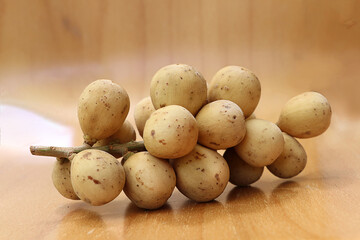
x=183 y=123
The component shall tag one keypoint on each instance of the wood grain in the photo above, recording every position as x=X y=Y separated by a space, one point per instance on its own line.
x=50 y=50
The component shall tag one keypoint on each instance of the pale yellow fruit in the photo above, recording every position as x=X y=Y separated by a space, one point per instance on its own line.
x=102 y=109
x=142 y=112
x=124 y=135
x=178 y=84
x=97 y=177
x=221 y=125
x=238 y=85
x=150 y=181
x=262 y=144
x=241 y=173
x=62 y=180
x=306 y=115
x=291 y=161
x=170 y=132
x=202 y=175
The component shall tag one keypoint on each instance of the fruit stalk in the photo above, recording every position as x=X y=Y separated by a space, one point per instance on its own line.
x=66 y=152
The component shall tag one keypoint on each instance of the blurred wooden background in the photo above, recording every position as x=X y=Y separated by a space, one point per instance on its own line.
x=50 y=50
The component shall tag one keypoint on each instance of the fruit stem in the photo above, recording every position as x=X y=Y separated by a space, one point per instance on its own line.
x=66 y=152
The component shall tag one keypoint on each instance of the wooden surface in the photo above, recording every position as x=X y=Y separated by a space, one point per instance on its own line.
x=50 y=50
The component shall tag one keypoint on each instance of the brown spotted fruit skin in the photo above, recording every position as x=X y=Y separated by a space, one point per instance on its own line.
x=62 y=180
x=202 y=175
x=178 y=84
x=142 y=112
x=221 y=125
x=241 y=173
x=102 y=109
x=262 y=144
x=238 y=85
x=124 y=135
x=306 y=115
x=291 y=161
x=150 y=181
x=170 y=132
x=97 y=177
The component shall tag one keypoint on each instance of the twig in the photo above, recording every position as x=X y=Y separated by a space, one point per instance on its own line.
x=66 y=152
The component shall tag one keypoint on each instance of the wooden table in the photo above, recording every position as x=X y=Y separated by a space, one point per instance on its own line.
x=50 y=51
x=322 y=202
